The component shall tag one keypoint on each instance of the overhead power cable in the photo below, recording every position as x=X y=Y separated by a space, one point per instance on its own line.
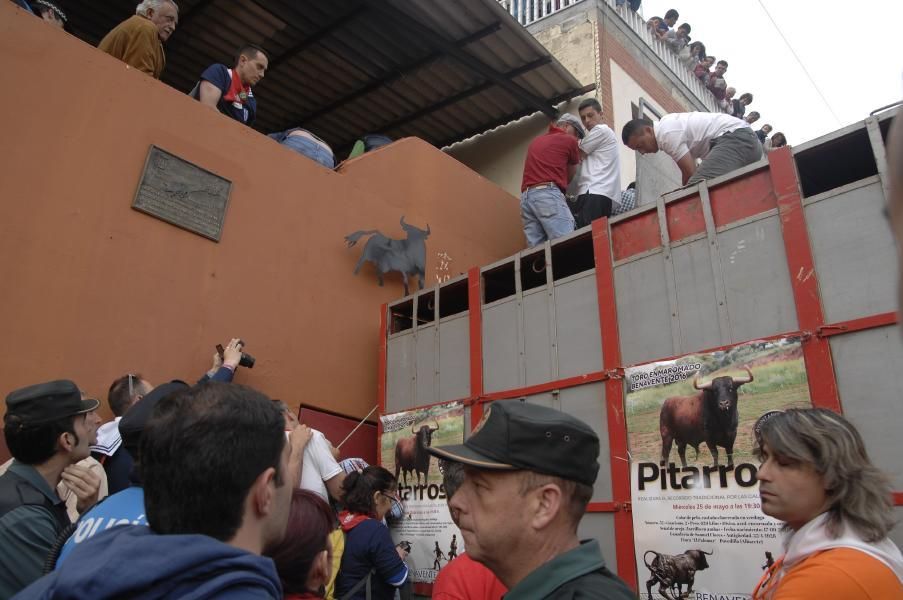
x=800 y=62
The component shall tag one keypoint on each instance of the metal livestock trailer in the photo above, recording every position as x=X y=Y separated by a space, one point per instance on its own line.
x=796 y=244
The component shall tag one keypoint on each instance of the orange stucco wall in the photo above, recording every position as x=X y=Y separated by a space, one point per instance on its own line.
x=93 y=289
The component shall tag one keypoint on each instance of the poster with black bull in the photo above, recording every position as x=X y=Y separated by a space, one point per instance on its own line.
x=426 y=525
x=698 y=528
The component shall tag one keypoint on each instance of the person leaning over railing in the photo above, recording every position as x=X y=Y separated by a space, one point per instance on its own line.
x=778 y=140
x=692 y=55
x=723 y=143
x=138 y=41
x=677 y=39
x=633 y=4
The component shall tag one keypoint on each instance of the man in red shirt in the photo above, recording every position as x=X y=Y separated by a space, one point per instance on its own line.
x=552 y=160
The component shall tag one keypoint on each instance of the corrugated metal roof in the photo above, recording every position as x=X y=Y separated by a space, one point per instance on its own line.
x=441 y=70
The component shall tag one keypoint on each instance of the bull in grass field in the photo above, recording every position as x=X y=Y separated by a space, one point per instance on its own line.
x=412 y=453
x=709 y=415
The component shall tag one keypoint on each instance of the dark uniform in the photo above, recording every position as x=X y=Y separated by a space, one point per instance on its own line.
x=579 y=573
x=32 y=515
x=31 y=518
x=515 y=436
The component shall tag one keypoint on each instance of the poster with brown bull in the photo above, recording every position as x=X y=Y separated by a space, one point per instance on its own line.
x=426 y=525
x=698 y=528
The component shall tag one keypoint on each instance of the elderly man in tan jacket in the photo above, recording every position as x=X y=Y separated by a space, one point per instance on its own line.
x=138 y=41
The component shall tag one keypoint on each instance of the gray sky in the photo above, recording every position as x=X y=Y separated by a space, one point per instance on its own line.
x=852 y=50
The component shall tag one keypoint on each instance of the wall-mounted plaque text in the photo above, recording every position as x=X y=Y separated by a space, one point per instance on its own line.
x=183 y=194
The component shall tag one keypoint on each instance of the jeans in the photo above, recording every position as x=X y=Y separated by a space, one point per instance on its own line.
x=311 y=149
x=545 y=214
x=728 y=152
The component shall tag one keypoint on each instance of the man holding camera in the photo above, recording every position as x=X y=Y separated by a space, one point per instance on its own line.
x=127 y=390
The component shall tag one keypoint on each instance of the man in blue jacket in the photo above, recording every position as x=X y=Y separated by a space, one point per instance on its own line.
x=218 y=477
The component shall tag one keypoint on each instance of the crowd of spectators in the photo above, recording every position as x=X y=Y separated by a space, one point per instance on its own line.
x=211 y=470
x=707 y=68
x=140 y=41
x=228 y=496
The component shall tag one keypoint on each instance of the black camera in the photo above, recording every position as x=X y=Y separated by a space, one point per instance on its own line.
x=246 y=361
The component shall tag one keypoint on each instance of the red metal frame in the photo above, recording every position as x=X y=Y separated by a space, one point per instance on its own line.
x=627 y=239
x=803 y=279
x=381 y=376
x=879 y=320
x=614 y=400
x=685 y=218
x=741 y=198
x=635 y=235
x=599 y=507
x=546 y=387
x=475 y=306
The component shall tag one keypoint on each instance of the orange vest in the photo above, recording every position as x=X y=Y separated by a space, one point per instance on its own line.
x=837 y=573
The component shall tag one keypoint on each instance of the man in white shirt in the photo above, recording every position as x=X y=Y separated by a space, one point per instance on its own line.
x=320 y=471
x=723 y=143
x=599 y=179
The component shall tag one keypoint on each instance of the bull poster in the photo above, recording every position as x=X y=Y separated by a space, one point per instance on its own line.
x=695 y=498
x=426 y=524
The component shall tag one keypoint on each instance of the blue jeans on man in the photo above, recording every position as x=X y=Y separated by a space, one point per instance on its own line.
x=545 y=214
x=311 y=149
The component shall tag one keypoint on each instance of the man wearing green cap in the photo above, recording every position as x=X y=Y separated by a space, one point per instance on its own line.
x=529 y=472
x=48 y=428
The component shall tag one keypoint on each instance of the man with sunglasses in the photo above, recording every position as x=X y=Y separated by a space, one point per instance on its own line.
x=48 y=428
x=124 y=392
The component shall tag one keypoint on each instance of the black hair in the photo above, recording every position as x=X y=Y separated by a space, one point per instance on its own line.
x=249 y=50
x=700 y=50
x=36 y=444
x=723 y=62
x=590 y=103
x=201 y=451
x=632 y=127
x=360 y=486
x=746 y=95
x=631 y=185
x=686 y=26
x=672 y=14
x=118 y=395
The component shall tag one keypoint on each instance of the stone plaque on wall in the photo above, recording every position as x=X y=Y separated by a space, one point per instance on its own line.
x=183 y=194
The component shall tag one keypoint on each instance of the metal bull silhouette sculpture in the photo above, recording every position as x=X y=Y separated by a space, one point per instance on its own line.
x=407 y=256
